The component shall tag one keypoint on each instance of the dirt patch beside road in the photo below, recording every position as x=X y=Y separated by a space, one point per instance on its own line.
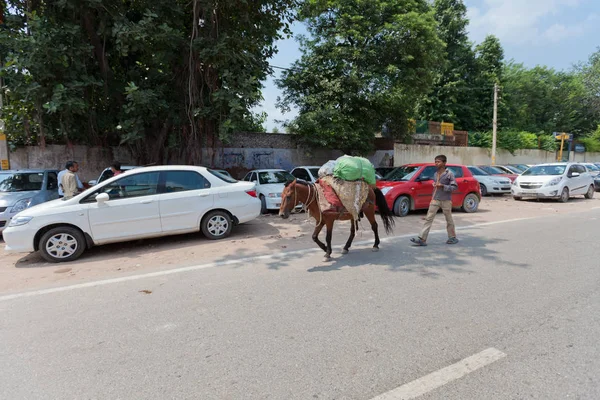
x=265 y=235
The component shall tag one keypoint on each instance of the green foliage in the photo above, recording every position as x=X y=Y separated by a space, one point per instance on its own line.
x=162 y=77
x=592 y=141
x=364 y=68
x=512 y=140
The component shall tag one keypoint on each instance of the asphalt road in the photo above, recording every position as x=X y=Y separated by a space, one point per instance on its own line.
x=293 y=327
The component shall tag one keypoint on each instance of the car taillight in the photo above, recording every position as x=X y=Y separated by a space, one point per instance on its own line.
x=251 y=193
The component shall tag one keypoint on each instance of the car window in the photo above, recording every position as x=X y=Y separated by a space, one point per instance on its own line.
x=301 y=173
x=269 y=177
x=540 y=170
x=572 y=169
x=137 y=185
x=52 y=181
x=581 y=169
x=458 y=171
x=492 y=170
x=427 y=173
x=478 y=171
x=315 y=172
x=106 y=174
x=222 y=176
x=401 y=174
x=182 y=181
x=21 y=181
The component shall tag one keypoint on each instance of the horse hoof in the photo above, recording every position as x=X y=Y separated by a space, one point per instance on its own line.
x=375 y=249
x=327 y=259
x=344 y=251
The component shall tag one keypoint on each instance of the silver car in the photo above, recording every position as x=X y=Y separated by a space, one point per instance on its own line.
x=22 y=189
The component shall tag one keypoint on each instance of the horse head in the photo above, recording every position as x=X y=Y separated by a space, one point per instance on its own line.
x=289 y=199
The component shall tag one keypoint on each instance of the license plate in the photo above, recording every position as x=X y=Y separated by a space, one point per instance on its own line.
x=277 y=204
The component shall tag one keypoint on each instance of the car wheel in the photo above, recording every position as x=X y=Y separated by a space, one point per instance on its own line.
x=564 y=195
x=470 y=203
x=484 y=191
x=62 y=244
x=590 y=193
x=402 y=206
x=217 y=225
x=263 y=205
x=517 y=198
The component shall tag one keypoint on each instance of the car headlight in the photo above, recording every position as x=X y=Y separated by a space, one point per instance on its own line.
x=18 y=221
x=515 y=183
x=274 y=195
x=386 y=190
x=21 y=205
x=554 y=181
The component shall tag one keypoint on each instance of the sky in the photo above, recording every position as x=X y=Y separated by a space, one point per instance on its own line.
x=555 y=33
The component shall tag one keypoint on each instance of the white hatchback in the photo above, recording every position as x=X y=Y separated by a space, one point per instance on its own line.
x=490 y=184
x=269 y=186
x=143 y=203
x=557 y=180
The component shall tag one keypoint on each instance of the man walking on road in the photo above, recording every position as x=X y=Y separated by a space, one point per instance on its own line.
x=444 y=184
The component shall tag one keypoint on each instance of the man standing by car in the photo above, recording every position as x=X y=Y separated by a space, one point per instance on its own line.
x=80 y=185
x=444 y=184
x=68 y=181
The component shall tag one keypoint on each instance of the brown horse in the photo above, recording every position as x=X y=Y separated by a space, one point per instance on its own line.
x=301 y=192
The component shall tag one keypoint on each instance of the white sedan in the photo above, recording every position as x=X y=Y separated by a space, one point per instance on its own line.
x=490 y=184
x=143 y=203
x=269 y=186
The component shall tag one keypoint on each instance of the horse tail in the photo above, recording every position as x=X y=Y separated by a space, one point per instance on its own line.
x=387 y=215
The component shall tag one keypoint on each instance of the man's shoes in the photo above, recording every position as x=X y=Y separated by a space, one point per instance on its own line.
x=452 y=241
x=418 y=241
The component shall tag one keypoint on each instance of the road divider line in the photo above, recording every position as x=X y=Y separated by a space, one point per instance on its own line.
x=440 y=378
x=246 y=260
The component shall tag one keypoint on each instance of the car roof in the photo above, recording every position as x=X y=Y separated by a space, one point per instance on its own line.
x=170 y=168
x=430 y=164
x=268 y=170
x=307 y=166
x=29 y=171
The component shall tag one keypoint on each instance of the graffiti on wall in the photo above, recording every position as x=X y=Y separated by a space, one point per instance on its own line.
x=262 y=160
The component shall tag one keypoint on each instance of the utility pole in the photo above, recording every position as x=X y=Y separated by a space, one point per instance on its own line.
x=495 y=124
x=4 y=163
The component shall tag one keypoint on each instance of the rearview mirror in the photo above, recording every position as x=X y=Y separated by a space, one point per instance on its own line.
x=102 y=197
x=575 y=174
x=92 y=183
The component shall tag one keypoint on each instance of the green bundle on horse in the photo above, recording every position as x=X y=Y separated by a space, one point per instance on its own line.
x=300 y=192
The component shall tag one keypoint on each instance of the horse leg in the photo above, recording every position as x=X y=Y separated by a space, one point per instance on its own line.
x=351 y=238
x=315 y=236
x=370 y=214
x=329 y=224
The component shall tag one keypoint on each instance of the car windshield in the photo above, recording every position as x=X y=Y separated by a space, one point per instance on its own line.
x=314 y=172
x=592 y=167
x=21 y=181
x=477 y=171
x=493 y=170
x=401 y=174
x=513 y=169
x=540 y=170
x=222 y=176
x=268 y=177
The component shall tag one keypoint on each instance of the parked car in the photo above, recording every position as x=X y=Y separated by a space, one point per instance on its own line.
x=521 y=167
x=593 y=169
x=509 y=169
x=107 y=174
x=410 y=187
x=269 y=186
x=490 y=184
x=554 y=181
x=147 y=202
x=20 y=190
x=222 y=171
x=493 y=170
x=308 y=174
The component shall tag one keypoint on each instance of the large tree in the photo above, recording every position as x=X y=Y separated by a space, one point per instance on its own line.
x=489 y=66
x=363 y=68
x=451 y=99
x=163 y=77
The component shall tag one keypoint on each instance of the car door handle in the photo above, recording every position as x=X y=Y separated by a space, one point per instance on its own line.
x=146 y=201
x=204 y=194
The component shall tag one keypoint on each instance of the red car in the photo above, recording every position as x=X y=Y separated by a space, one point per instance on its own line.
x=498 y=172
x=410 y=187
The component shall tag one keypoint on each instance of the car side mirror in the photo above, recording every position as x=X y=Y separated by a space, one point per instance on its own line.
x=92 y=183
x=102 y=197
x=575 y=174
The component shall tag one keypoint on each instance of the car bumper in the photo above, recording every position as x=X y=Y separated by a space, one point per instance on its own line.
x=541 y=193
x=248 y=213
x=5 y=218
x=499 y=189
x=18 y=239
x=275 y=203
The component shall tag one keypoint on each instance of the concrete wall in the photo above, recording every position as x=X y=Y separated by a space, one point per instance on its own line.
x=405 y=154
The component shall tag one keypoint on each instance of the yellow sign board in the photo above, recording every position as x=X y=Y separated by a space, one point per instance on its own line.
x=447 y=128
x=4 y=164
x=2 y=137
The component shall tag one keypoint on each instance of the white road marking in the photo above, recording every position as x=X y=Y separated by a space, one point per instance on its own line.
x=247 y=260
x=446 y=375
